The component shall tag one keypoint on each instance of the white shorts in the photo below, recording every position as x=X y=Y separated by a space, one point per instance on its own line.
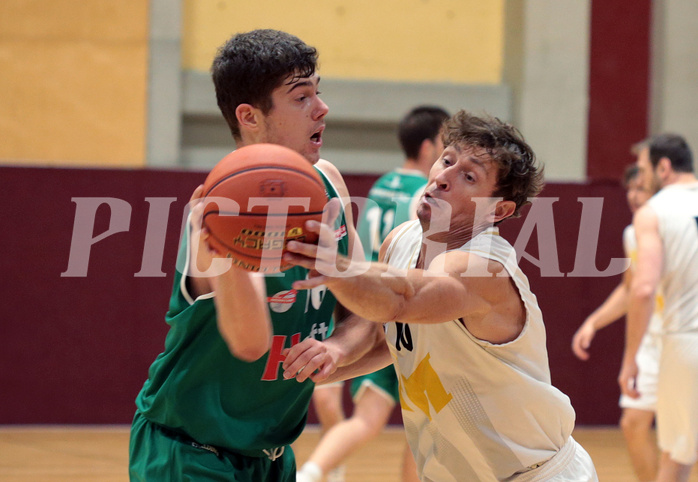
x=571 y=464
x=647 y=359
x=677 y=400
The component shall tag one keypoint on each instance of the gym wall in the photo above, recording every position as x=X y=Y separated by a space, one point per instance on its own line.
x=122 y=89
x=73 y=77
x=84 y=318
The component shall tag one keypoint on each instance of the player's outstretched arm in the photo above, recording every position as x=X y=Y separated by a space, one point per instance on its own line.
x=352 y=335
x=241 y=312
x=484 y=298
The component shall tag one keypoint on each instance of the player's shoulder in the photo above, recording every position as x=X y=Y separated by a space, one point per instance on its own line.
x=645 y=218
x=399 y=228
x=333 y=175
x=327 y=168
x=628 y=236
x=391 y=236
x=475 y=263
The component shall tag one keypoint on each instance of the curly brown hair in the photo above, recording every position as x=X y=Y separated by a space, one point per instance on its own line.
x=520 y=177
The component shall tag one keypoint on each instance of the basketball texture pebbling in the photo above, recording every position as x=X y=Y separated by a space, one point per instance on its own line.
x=257 y=198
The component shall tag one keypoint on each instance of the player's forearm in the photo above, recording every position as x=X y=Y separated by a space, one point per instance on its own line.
x=641 y=306
x=243 y=317
x=615 y=306
x=354 y=337
x=378 y=295
x=377 y=357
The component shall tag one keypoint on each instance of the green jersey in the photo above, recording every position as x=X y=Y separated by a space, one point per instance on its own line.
x=197 y=388
x=391 y=202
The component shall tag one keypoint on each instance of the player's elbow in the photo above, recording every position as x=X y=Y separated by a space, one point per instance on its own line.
x=641 y=292
x=249 y=353
x=246 y=341
x=248 y=349
x=397 y=311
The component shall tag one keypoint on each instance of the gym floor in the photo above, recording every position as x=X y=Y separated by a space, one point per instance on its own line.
x=100 y=454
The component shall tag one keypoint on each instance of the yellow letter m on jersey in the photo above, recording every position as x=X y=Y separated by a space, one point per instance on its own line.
x=424 y=387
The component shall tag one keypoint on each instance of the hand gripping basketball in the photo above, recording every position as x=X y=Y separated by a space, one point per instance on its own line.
x=322 y=259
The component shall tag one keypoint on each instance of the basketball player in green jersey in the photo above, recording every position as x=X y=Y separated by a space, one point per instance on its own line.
x=391 y=201
x=215 y=405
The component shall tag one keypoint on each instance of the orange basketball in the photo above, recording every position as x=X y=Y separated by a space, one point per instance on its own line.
x=257 y=198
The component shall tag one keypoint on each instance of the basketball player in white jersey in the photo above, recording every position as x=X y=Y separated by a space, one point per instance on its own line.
x=637 y=419
x=666 y=228
x=462 y=326
x=392 y=201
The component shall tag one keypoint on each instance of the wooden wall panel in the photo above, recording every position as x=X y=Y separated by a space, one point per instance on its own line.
x=77 y=349
x=73 y=77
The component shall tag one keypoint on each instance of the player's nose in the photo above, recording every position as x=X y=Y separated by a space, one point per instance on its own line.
x=321 y=109
x=442 y=180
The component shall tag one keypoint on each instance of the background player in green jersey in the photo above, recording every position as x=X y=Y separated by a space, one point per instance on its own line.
x=391 y=202
x=215 y=405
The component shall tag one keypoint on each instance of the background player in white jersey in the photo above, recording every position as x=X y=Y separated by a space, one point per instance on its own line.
x=463 y=329
x=666 y=228
x=391 y=201
x=637 y=418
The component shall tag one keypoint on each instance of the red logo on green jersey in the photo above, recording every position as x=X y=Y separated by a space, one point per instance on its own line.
x=282 y=301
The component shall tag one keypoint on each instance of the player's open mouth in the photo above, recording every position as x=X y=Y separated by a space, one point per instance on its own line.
x=434 y=202
x=317 y=137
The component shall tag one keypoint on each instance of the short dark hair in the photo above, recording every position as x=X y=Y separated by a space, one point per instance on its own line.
x=631 y=172
x=675 y=148
x=421 y=123
x=250 y=65
x=520 y=177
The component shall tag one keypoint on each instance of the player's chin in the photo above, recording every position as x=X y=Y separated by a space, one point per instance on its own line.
x=423 y=212
x=312 y=154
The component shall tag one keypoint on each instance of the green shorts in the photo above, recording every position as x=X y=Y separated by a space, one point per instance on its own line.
x=384 y=381
x=155 y=454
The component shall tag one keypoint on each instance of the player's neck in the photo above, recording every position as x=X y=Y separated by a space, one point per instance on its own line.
x=414 y=165
x=682 y=178
x=434 y=244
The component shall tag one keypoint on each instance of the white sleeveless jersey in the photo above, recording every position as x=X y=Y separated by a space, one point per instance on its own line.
x=676 y=207
x=630 y=247
x=474 y=410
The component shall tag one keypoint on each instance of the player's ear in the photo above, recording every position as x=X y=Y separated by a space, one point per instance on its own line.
x=504 y=210
x=248 y=117
x=663 y=167
x=426 y=149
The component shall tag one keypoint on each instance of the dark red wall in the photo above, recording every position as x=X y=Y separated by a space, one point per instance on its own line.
x=619 y=84
x=566 y=301
x=77 y=349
